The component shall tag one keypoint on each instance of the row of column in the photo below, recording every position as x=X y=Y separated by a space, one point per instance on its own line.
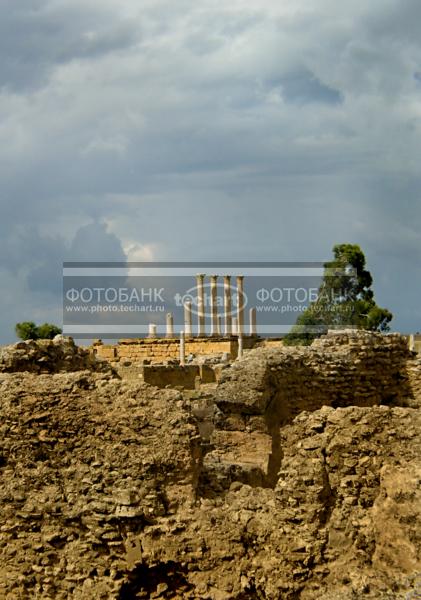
x=230 y=325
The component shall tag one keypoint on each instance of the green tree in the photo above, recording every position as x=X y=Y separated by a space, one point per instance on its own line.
x=48 y=331
x=345 y=299
x=27 y=330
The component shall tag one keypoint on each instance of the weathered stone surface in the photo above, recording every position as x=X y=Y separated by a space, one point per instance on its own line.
x=158 y=350
x=343 y=520
x=353 y=368
x=87 y=462
x=270 y=386
x=48 y=356
x=108 y=491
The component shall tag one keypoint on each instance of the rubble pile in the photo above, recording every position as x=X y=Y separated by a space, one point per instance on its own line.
x=48 y=356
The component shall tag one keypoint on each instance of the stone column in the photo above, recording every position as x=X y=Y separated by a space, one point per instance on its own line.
x=412 y=343
x=188 y=320
x=252 y=317
x=227 y=306
x=234 y=326
x=170 y=326
x=182 y=349
x=240 y=346
x=200 y=305
x=214 y=305
x=152 y=330
x=219 y=323
x=240 y=304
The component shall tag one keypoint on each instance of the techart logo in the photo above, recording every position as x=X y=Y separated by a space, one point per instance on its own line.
x=212 y=295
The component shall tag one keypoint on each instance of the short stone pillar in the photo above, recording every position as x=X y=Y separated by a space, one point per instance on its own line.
x=200 y=305
x=412 y=342
x=182 y=349
x=240 y=346
x=240 y=304
x=170 y=326
x=188 y=330
x=253 y=322
x=214 y=305
x=152 y=330
x=227 y=306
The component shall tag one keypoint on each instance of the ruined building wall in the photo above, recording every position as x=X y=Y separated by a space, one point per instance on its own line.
x=187 y=376
x=160 y=349
x=105 y=491
x=268 y=388
x=340 y=369
x=413 y=373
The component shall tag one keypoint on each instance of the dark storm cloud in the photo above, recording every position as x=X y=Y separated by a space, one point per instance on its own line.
x=303 y=87
x=203 y=130
x=92 y=240
x=95 y=241
x=35 y=36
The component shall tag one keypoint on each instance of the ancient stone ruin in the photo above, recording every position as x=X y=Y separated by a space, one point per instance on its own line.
x=228 y=334
x=48 y=356
x=296 y=475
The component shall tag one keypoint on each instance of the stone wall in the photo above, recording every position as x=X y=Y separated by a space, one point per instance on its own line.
x=188 y=376
x=268 y=388
x=158 y=350
x=414 y=342
x=99 y=494
x=413 y=372
x=340 y=369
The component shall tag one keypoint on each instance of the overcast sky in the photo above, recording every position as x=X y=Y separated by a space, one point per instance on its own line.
x=201 y=130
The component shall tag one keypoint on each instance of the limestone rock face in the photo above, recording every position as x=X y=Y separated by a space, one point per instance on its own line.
x=114 y=489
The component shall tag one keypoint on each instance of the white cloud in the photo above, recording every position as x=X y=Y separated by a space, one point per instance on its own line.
x=140 y=252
